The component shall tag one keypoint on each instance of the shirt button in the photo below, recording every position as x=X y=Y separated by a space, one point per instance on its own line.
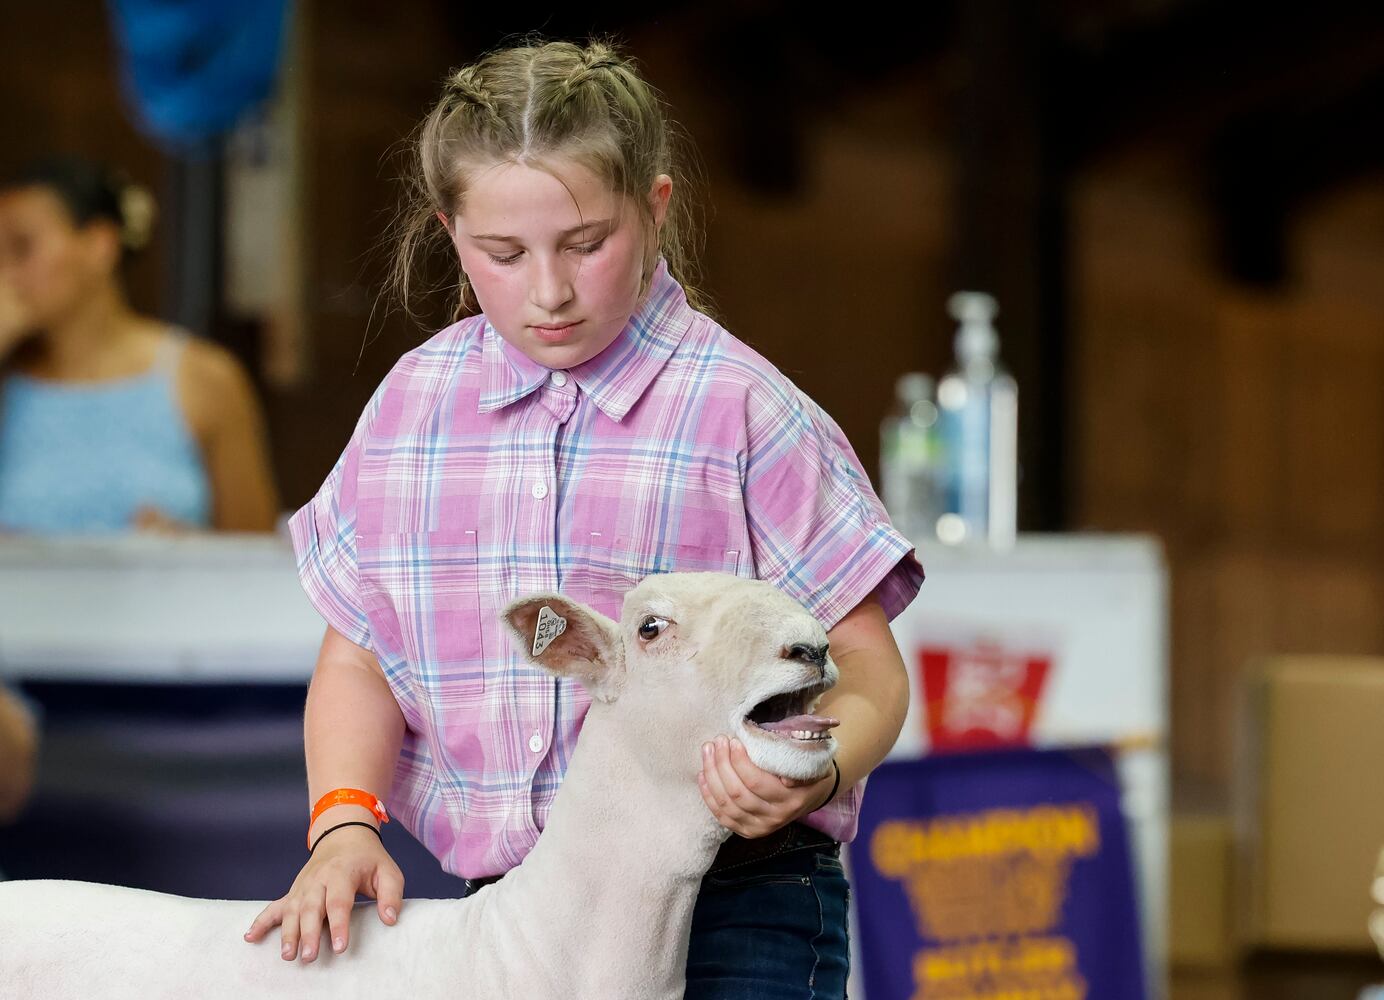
x=559 y=378
x=540 y=490
x=536 y=742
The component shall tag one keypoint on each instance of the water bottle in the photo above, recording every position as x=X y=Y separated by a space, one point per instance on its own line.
x=909 y=458
x=979 y=416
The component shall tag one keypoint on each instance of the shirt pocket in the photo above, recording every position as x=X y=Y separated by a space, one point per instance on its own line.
x=422 y=591
x=603 y=569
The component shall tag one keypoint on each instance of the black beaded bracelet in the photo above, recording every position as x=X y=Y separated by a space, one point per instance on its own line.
x=354 y=822
x=835 y=785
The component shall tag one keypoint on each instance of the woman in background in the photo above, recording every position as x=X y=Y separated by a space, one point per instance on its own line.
x=110 y=420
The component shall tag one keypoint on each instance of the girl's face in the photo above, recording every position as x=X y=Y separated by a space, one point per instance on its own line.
x=555 y=259
x=50 y=263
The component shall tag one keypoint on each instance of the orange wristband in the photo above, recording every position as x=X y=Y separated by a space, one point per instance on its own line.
x=348 y=797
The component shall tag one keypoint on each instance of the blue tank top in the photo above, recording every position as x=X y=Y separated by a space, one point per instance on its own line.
x=83 y=458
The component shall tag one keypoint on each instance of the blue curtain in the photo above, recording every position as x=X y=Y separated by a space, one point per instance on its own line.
x=192 y=68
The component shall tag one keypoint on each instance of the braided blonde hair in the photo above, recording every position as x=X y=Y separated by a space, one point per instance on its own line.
x=539 y=104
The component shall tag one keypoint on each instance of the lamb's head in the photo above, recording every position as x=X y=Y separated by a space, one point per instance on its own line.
x=696 y=655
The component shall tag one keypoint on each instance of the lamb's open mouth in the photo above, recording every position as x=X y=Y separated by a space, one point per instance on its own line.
x=786 y=716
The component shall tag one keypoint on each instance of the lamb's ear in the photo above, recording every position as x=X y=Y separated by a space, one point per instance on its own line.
x=571 y=640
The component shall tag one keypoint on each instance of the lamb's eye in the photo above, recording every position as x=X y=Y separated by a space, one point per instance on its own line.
x=651 y=626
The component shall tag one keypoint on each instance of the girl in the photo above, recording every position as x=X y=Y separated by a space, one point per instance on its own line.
x=584 y=425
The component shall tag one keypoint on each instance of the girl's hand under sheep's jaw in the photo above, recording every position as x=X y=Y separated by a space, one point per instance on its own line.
x=748 y=800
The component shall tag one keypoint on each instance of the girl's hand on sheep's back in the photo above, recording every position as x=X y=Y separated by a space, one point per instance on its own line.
x=351 y=861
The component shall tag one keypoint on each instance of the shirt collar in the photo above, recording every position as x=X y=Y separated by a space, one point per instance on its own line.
x=616 y=378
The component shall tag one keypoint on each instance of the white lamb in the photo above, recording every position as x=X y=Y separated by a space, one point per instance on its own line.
x=602 y=906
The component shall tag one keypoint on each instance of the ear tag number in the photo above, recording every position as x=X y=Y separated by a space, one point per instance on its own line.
x=550 y=626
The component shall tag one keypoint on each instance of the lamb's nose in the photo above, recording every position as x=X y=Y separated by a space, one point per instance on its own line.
x=808 y=654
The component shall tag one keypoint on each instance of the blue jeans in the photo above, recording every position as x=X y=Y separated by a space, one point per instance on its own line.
x=772 y=930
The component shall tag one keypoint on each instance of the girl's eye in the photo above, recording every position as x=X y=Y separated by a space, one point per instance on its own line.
x=583 y=249
x=651 y=626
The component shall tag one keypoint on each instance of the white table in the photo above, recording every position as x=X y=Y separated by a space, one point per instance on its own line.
x=202 y=609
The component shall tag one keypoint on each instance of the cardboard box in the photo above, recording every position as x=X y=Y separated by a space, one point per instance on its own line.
x=1309 y=802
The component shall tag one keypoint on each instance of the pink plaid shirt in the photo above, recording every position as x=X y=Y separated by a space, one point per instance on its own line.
x=476 y=475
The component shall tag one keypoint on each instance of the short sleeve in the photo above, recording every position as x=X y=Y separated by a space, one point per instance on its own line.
x=324 y=541
x=817 y=528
